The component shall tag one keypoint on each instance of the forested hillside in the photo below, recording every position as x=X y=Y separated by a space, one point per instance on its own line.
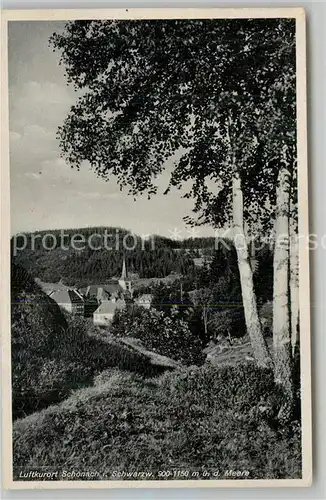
x=83 y=263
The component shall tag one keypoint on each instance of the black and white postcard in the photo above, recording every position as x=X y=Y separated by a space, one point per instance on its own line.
x=155 y=293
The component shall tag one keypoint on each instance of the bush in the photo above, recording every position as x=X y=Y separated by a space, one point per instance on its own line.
x=117 y=378
x=193 y=418
x=167 y=335
x=96 y=354
x=227 y=322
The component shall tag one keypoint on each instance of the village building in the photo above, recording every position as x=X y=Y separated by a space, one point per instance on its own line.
x=70 y=300
x=202 y=261
x=107 y=299
x=144 y=300
x=103 y=315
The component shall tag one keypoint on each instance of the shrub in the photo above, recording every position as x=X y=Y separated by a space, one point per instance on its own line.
x=240 y=387
x=97 y=355
x=167 y=335
x=167 y=297
x=75 y=359
x=227 y=322
x=116 y=377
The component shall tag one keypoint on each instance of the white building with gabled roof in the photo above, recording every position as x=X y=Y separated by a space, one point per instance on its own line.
x=106 y=310
x=144 y=300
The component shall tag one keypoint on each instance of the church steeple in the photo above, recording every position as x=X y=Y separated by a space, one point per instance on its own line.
x=124 y=273
x=124 y=282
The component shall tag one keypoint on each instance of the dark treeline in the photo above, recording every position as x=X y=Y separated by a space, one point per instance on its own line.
x=89 y=266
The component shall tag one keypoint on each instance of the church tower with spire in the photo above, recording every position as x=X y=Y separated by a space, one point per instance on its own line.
x=124 y=282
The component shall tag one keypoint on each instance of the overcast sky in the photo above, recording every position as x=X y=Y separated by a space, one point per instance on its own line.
x=45 y=192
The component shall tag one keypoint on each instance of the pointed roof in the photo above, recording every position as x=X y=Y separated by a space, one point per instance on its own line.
x=124 y=273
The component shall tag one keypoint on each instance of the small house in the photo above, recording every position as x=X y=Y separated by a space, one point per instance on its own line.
x=144 y=300
x=105 y=312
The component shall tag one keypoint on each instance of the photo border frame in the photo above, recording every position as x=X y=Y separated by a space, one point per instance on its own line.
x=304 y=281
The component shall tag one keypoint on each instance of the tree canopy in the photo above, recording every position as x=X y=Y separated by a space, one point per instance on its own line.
x=152 y=88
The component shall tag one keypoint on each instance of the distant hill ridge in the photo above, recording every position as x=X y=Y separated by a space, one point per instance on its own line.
x=117 y=232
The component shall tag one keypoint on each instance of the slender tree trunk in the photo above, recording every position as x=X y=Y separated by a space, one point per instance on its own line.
x=205 y=314
x=294 y=286
x=253 y=325
x=281 y=316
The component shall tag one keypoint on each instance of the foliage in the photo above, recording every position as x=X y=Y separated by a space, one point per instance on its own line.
x=263 y=277
x=227 y=322
x=266 y=318
x=223 y=273
x=226 y=314
x=167 y=335
x=171 y=297
x=221 y=92
x=200 y=86
x=203 y=300
x=216 y=418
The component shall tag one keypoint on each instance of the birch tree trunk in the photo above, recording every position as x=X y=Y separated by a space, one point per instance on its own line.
x=253 y=325
x=205 y=318
x=281 y=316
x=294 y=286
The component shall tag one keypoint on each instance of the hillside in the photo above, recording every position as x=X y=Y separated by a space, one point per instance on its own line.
x=53 y=354
x=193 y=419
x=86 y=400
x=75 y=261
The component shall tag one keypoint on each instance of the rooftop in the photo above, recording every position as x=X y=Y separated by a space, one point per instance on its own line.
x=65 y=296
x=109 y=307
x=99 y=290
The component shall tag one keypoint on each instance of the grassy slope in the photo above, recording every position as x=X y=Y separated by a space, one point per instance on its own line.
x=193 y=418
x=232 y=355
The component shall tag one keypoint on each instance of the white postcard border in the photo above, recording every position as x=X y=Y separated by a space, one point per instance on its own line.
x=304 y=288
